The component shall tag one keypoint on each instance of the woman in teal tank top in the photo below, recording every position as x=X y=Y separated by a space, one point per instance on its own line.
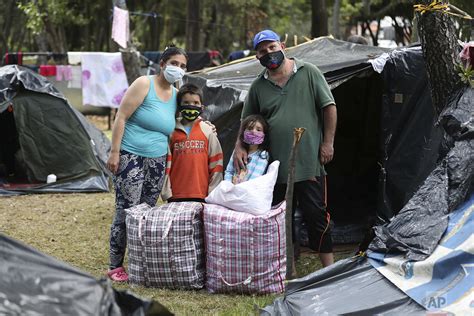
x=144 y=121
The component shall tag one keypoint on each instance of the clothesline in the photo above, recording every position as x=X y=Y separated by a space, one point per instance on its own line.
x=39 y=53
x=61 y=55
x=158 y=15
x=149 y=59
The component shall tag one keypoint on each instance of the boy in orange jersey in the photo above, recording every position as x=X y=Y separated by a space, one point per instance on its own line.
x=194 y=165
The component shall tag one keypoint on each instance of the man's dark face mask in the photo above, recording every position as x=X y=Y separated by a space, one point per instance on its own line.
x=272 y=60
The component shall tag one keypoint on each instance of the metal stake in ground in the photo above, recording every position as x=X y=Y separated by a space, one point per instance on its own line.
x=290 y=271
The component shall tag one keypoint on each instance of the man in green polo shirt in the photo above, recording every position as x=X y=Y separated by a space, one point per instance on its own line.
x=291 y=93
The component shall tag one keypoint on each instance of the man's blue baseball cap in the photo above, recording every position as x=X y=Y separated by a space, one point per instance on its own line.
x=265 y=35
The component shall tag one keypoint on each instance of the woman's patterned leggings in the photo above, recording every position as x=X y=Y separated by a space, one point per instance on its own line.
x=138 y=180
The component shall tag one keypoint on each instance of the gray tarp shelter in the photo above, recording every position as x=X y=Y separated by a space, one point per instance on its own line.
x=33 y=283
x=349 y=287
x=43 y=134
x=385 y=137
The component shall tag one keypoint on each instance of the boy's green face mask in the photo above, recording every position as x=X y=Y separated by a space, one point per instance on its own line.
x=190 y=112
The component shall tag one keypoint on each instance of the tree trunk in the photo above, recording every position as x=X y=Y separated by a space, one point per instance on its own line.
x=402 y=32
x=131 y=63
x=210 y=28
x=54 y=32
x=87 y=30
x=335 y=19
x=155 y=28
x=19 y=38
x=193 y=25
x=167 y=25
x=42 y=42
x=6 y=27
x=375 y=37
x=440 y=48
x=158 y=29
x=366 y=8
x=319 y=18
x=4 y=46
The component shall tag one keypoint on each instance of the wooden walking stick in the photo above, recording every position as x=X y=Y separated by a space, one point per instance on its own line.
x=291 y=271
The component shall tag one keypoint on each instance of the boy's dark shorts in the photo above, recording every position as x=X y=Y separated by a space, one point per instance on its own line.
x=310 y=197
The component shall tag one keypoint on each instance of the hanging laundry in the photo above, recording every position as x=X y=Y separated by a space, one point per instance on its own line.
x=104 y=81
x=76 y=78
x=13 y=58
x=58 y=57
x=74 y=58
x=121 y=27
x=47 y=70
x=63 y=72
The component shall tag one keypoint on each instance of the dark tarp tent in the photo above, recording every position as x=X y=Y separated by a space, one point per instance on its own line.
x=426 y=249
x=42 y=134
x=32 y=283
x=386 y=142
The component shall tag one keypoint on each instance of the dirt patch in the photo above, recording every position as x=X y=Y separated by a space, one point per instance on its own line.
x=100 y=121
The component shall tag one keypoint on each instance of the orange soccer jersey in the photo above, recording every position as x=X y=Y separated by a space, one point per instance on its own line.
x=194 y=164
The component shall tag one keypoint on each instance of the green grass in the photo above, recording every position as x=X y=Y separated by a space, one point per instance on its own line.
x=75 y=228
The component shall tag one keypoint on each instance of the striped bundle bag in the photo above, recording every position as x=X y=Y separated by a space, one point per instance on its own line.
x=245 y=253
x=166 y=245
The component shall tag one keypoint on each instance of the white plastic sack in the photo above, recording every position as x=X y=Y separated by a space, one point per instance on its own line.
x=253 y=196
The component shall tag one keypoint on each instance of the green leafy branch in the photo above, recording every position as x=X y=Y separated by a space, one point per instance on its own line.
x=466 y=74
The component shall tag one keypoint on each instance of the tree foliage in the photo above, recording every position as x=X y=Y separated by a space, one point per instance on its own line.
x=362 y=13
x=57 y=12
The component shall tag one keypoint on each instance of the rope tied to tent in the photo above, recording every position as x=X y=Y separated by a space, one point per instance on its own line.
x=437 y=5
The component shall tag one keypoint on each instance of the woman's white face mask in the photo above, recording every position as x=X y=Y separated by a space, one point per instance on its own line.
x=173 y=73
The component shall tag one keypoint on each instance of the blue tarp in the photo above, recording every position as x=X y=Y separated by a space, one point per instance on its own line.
x=444 y=281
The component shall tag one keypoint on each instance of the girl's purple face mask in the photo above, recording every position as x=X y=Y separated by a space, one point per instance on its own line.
x=253 y=137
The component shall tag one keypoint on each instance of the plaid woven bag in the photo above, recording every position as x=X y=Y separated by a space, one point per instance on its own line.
x=245 y=253
x=166 y=245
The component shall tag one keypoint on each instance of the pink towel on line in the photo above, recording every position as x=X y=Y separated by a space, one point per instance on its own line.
x=120 y=27
x=63 y=73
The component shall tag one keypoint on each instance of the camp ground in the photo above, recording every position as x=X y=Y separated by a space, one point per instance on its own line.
x=389 y=167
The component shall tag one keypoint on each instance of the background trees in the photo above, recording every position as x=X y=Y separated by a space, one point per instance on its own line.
x=225 y=25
